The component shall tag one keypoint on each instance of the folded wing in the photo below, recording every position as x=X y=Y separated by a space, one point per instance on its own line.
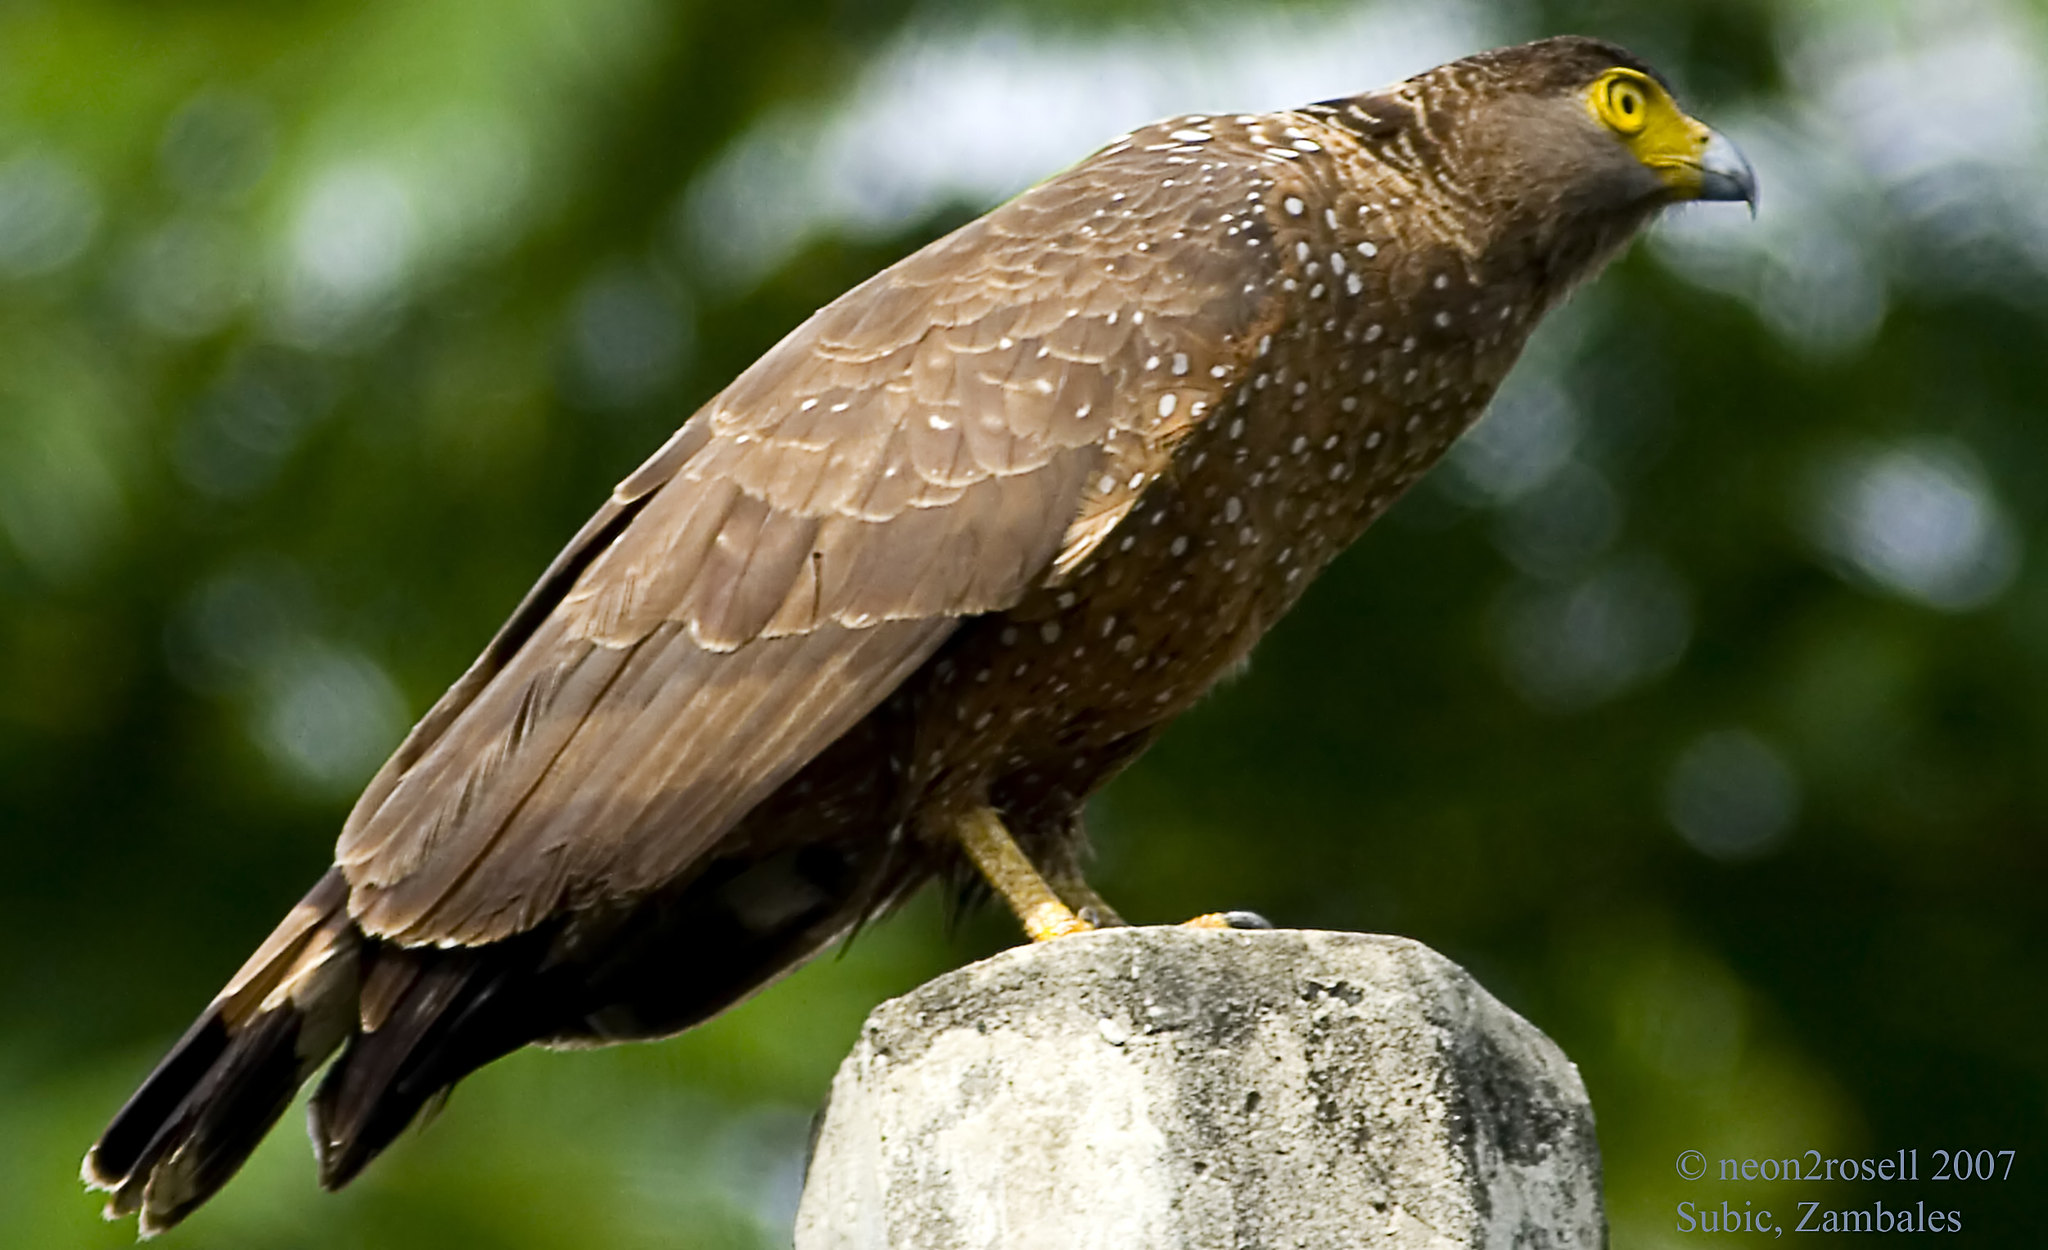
x=931 y=446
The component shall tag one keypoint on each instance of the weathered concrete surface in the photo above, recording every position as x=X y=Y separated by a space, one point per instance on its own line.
x=1165 y=1087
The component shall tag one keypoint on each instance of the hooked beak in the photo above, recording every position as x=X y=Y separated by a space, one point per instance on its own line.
x=1725 y=173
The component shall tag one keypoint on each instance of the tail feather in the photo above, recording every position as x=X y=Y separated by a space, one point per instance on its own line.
x=201 y=1113
x=450 y=1018
x=120 y=1150
x=215 y=1129
x=410 y=1022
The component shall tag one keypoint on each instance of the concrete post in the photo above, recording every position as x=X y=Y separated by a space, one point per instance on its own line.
x=1162 y=1087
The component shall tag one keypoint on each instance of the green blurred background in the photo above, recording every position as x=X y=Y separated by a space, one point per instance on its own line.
x=1698 y=705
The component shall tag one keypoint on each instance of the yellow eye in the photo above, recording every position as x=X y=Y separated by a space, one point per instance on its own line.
x=1622 y=101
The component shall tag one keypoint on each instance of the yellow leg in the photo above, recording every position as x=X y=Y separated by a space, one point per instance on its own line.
x=1006 y=868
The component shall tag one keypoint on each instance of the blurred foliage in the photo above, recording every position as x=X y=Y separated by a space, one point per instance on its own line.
x=1697 y=706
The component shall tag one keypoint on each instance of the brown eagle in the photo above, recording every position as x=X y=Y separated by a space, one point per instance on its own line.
x=918 y=582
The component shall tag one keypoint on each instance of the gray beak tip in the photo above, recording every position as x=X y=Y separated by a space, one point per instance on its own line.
x=1725 y=173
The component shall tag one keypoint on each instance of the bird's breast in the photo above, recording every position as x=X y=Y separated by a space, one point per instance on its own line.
x=1387 y=341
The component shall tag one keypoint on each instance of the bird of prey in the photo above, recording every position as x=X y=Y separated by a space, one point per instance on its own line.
x=895 y=602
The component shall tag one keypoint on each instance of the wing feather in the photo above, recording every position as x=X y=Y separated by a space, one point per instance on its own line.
x=945 y=437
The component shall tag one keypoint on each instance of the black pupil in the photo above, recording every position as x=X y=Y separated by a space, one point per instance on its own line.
x=1628 y=103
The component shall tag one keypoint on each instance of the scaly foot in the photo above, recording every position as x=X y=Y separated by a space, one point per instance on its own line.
x=1228 y=920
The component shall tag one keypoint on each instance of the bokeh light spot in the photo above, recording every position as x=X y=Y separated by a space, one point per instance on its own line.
x=1919 y=520
x=185 y=279
x=629 y=337
x=1526 y=436
x=48 y=213
x=327 y=715
x=217 y=145
x=1566 y=647
x=1731 y=796
x=351 y=250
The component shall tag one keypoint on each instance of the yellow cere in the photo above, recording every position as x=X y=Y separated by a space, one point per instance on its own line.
x=1644 y=116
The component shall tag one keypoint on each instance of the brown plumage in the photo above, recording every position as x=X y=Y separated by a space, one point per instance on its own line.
x=964 y=542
